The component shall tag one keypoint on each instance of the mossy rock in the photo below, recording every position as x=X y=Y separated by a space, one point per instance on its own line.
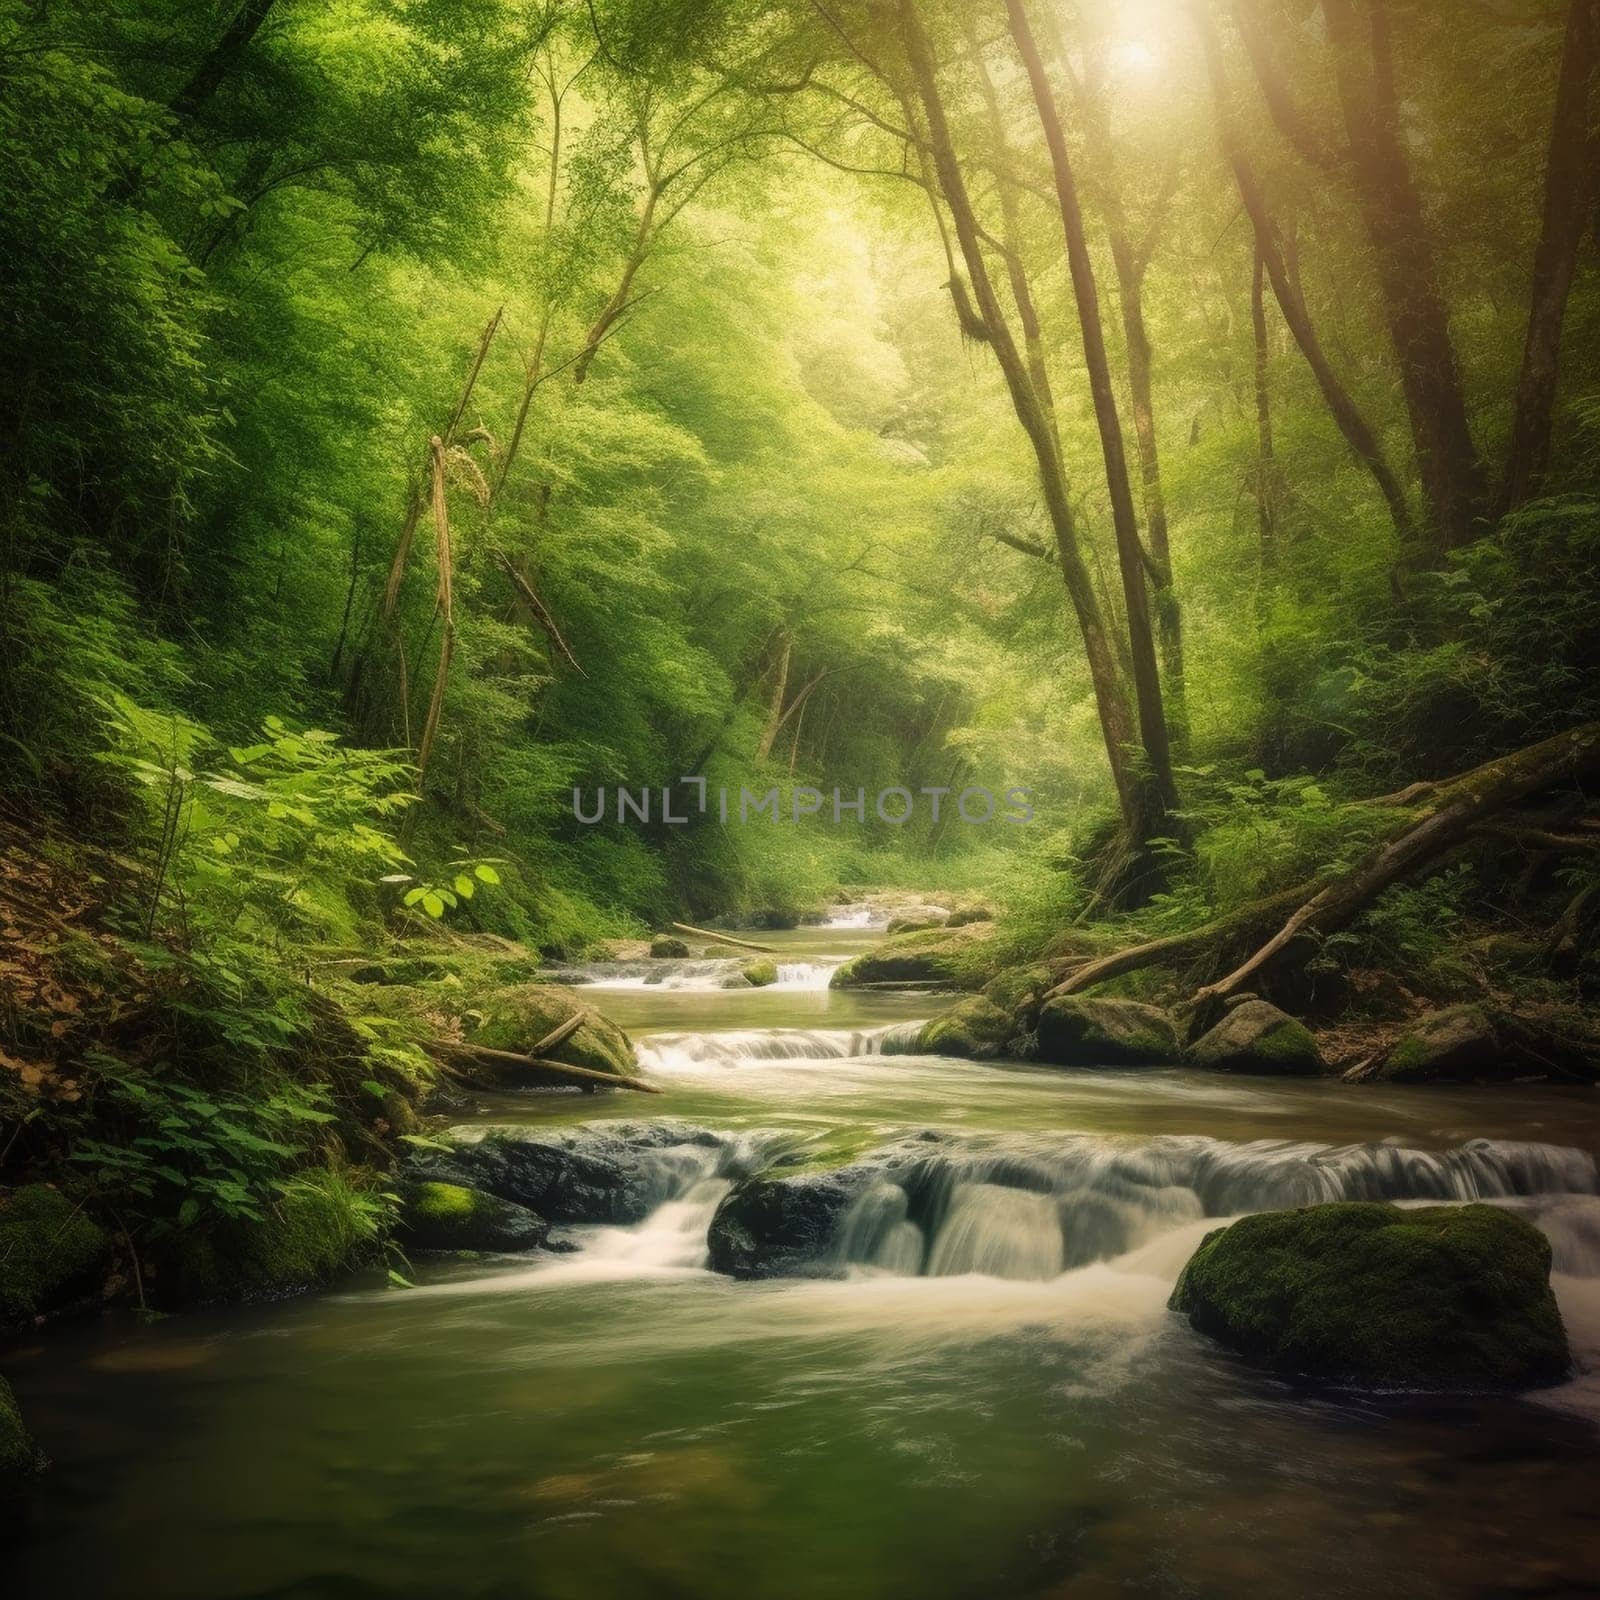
x=954 y=959
x=1082 y=1031
x=760 y=973
x=1385 y=1297
x=665 y=947
x=899 y=925
x=449 y=1216
x=20 y=1461
x=516 y=1019
x=1459 y=1042
x=1257 y=1037
x=1019 y=990
x=311 y=1235
x=50 y=1252
x=975 y=1029
x=973 y=911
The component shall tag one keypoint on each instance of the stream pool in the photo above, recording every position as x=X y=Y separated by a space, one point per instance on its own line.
x=621 y=1422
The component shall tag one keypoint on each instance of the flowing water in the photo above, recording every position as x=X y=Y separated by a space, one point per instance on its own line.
x=989 y=1400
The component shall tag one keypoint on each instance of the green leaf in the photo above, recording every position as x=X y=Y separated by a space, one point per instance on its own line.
x=486 y=873
x=464 y=886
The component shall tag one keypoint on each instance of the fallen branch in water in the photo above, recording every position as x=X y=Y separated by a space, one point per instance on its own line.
x=722 y=938
x=559 y=1035
x=583 y=1076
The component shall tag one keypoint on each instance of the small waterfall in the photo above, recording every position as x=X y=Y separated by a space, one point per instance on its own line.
x=665 y=1052
x=813 y=974
x=1029 y=1213
x=1000 y=1232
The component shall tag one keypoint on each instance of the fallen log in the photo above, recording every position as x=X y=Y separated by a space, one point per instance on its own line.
x=1452 y=812
x=721 y=938
x=583 y=1076
x=1450 y=816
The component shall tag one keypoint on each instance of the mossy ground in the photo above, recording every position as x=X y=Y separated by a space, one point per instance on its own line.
x=1437 y=1297
x=48 y=1250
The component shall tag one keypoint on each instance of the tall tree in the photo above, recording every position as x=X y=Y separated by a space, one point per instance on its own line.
x=1571 y=187
x=1086 y=296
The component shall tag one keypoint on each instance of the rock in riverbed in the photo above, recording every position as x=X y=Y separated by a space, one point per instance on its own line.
x=975 y=1029
x=950 y=958
x=447 y=1216
x=1385 y=1297
x=772 y=1227
x=50 y=1252
x=1256 y=1037
x=615 y=1172
x=1077 y=1031
x=517 y=1018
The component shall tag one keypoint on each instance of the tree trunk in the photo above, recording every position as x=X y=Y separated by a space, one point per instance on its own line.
x=780 y=688
x=1346 y=414
x=1125 y=522
x=1131 y=259
x=1408 y=274
x=1140 y=800
x=1266 y=463
x=219 y=60
x=1569 y=191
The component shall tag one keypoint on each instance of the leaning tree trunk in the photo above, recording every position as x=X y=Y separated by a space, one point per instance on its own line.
x=1130 y=554
x=1408 y=273
x=1143 y=814
x=1346 y=414
x=1569 y=192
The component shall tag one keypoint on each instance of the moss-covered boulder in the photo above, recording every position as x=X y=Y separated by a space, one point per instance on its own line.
x=50 y=1253
x=665 y=947
x=975 y=1029
x=1385 y=1297
x=760 y=973
x=1257 y=1037
x=19 y=1460
x=1083 y=1031
x=1019 y=990
x=899 y=925
x=449 y=1216
x=321 y=1226
x=1455 y=1044
x=970 y=911
x=516 y=1019
x=937 y=957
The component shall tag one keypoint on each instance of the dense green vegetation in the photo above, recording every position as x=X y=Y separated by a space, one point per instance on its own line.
x=416 y=412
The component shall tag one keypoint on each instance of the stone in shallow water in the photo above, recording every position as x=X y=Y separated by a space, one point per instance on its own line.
x=1257 y=1037
x=447 y=1216
x=1384 y=1297
x=975 y=1029
x=784 y=1227
x=614 y=1172
x=1075 y=1031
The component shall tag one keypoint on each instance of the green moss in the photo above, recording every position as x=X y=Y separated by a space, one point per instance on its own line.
x=49 y=1251
x=974 y=1028
x=962 y=958
x=761 y=972
x=18 y=1455
x=1090 y=1031
x=1017 y=987
x=517 y=1018
x=1385 y=1297
x=449 y=1216
x=666 y=947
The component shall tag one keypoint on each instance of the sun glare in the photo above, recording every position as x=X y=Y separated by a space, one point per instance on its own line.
x=1133 y=57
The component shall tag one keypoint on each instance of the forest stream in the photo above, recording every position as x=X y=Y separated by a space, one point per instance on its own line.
x=1020 y=1416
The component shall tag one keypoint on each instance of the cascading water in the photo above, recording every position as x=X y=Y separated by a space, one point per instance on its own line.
x=705 y=974
x=665 y=1052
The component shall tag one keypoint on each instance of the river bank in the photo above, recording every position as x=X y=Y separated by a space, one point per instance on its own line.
x=616 y=1417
